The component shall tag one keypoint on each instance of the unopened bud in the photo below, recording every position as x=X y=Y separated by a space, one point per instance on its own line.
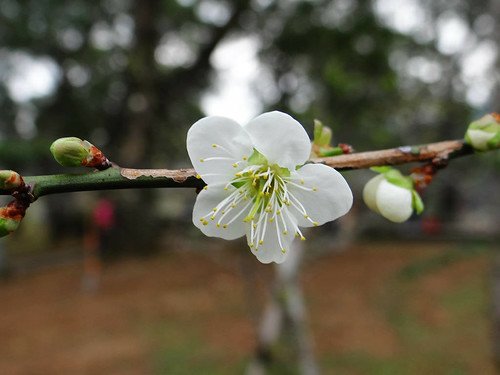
x=322 y=134
x=484 y=134
x=392 y=195
x=10 y=217
x=74 y=152
x=10 y=180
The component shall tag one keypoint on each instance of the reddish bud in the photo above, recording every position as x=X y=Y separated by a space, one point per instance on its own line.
x=11 y=216
x=10 y=180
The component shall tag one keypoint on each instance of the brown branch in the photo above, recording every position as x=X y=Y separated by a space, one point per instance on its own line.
x=124 y=178
x=432 y=152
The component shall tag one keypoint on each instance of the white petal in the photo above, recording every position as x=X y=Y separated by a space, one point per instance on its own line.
x=280 y=138
x=206 y=201
x=331 y=199
x=270 y=249
x=394 y=202
x=231 y=142
x=370 y=192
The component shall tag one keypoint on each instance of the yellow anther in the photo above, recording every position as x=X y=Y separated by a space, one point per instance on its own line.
x=212 y=217
x=205 y=187
x=302 y=181
x=271 y=219
x=261 y=242
x=251 y=245
x=224 y=226
x=306 y=216
x=198 y=177
x=235 y=165
x=315 y=188
x=278 y=212
x=302 y=238
x=285 y=232
x=283 y=251
x=214 y=209
x=202 y=160
x=315 y=223
x=244 y=158
x=254 y=226
x=217 y=225
x=214 y=145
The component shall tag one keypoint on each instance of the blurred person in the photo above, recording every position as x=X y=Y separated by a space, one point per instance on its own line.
x=96 y=240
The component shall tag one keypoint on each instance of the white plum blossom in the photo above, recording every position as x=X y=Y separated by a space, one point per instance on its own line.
x=258 y=184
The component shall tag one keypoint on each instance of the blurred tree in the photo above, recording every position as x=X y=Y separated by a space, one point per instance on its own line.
x=129 y=75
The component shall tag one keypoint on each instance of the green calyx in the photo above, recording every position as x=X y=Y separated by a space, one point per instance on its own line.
x=70 y=151
x=10 y=180
x=395 y=177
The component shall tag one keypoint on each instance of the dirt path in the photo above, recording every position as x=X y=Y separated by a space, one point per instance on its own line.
x=372 y=308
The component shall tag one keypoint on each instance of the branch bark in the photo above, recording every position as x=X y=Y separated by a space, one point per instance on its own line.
x=125 y=178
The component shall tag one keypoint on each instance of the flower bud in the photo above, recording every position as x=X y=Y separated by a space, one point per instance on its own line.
x=8 y=226
x=11 y=216
x=484 y=134
x=74 y=152
x=322 y=134
x=10 y=180
x=391 y=195
x=70 y=151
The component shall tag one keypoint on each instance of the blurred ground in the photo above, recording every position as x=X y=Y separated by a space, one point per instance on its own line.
x=385 y=308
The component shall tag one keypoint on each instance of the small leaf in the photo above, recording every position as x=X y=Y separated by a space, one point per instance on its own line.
x=417 y=202
x=318 y=126
x=395 y=177
x=331 y=151
x=381 y=169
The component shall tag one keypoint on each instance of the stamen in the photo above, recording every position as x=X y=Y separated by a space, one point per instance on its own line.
x=216 y=158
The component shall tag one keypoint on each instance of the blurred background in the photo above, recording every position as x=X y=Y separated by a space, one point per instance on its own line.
x=121 y=282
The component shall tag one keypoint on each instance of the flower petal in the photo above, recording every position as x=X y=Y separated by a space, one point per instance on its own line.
x=204 y=206
x=322 y=192
x=271 y=248
x=394 y=202
x=280 y=138
x=370 y=192
x=223 y=141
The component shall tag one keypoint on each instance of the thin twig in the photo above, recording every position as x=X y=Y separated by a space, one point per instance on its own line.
x=126 y=178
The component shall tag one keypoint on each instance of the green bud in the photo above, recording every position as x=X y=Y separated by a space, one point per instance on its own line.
x=10 y=180
x=71 y=151
x=322 y=134
x=7 y=226
x=484 y=134
x=11 y=216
